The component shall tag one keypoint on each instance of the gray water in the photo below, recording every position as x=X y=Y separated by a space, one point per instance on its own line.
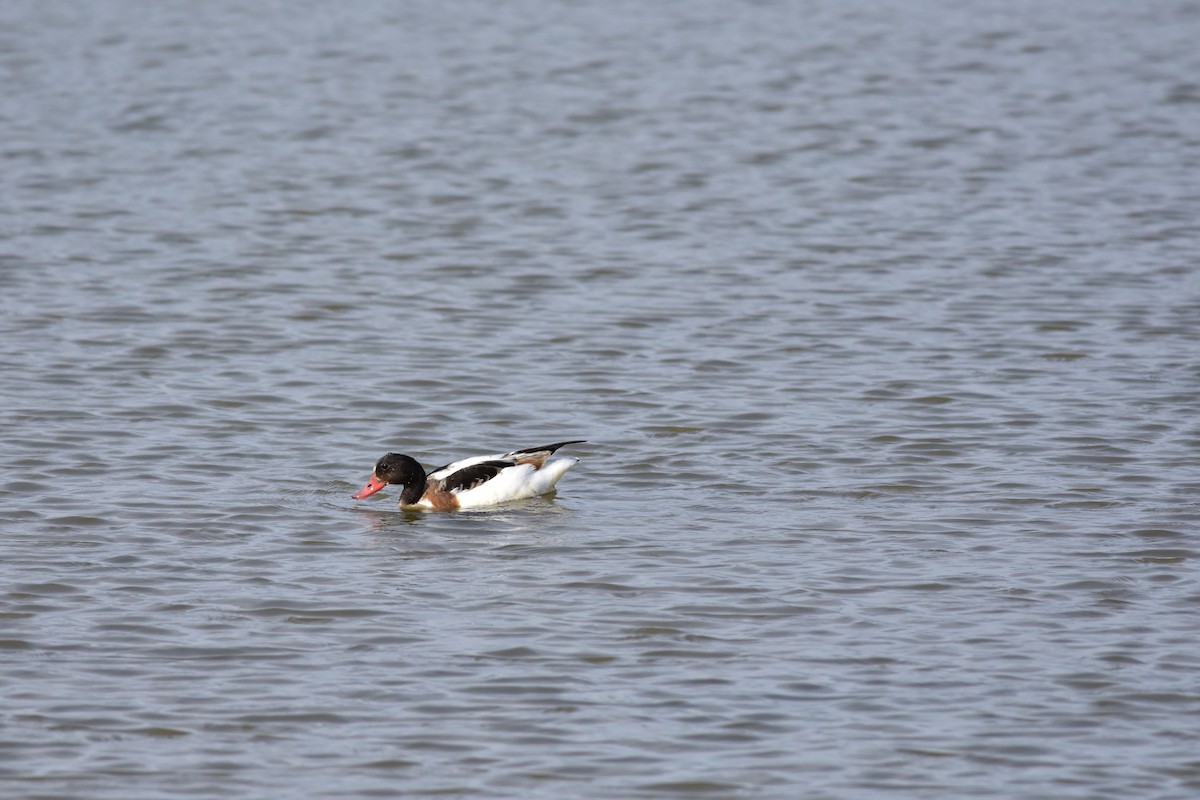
x=881 y=320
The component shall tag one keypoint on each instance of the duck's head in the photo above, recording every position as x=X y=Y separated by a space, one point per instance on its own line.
x=392 y=468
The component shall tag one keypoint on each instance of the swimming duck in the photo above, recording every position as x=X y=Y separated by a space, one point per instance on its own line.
x=471 y=482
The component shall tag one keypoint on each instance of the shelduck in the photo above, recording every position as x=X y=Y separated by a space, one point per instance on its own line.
x=471 y=482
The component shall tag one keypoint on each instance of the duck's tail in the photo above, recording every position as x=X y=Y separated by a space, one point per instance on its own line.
x=538 y=455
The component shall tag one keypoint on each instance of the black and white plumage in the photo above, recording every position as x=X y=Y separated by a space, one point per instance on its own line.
x=471 y=482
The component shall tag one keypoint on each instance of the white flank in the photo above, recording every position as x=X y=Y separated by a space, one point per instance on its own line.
x=516 y=483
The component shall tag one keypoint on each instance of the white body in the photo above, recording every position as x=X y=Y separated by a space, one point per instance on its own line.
x=517 y=482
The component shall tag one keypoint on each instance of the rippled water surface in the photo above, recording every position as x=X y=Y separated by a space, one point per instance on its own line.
x=881 y=320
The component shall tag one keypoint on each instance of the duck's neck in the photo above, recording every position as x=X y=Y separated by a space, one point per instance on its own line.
x=414 y=487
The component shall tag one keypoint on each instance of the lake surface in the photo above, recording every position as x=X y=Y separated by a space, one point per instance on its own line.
x=881 y=320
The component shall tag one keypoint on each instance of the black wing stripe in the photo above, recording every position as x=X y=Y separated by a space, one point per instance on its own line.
x=549 y=448
x=470 y=477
